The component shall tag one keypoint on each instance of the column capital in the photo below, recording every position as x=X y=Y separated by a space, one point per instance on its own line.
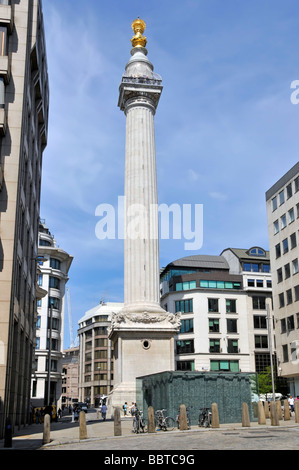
x=139 y=92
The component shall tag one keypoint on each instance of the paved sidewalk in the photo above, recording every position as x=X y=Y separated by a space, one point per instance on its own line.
x=65 y=433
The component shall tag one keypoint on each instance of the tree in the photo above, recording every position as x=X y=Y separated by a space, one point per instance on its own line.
x=265 y=381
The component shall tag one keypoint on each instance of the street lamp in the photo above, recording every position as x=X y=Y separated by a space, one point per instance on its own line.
x=270 y=350
x=49 y=354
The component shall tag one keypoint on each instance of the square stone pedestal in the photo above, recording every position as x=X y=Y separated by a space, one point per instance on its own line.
x=143 y=344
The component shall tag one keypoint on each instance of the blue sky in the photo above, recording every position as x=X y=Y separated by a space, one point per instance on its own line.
x=226 y=129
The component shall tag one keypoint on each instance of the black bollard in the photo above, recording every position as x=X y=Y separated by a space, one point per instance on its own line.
x=8 y=433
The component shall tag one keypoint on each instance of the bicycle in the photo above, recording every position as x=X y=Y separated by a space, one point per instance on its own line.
x=138 y=422
x=166 y=423
x=205 y=417
x=188 y=419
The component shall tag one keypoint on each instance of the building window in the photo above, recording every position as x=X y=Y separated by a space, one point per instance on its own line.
x=289 y=190
x=287 y=271
x=213 y=305
x=261 y=341
x=290 y=323
x=229 y=366
x=232 y=346
x=185 y=365
x=265 y=268
x=220 y=285
x=231 y=325
x=3 y=40
x=296 y=181
x=274 y=203
x=259 y=283
x=214 y=325
x=285 y=245
x=253 y=267
x=281 y=197
x=283 y=325
x=289 y=296
x=188 y=285
x=278 y=250
x=250 y=283
x=185 y=346
x=283 y=221
x=295 y=266
x=187 y=326
x=54 y=282
x=276 y=227
x=53 y=366
x=296 y=289
x=259 y=303
x=231 y=305
x=293 y=240
x=291 y=215
x=55 y=263
x=259 y=321
x=279 y=275
x=214 y=346
x=281 y=300
x=54 y=302
x=262 y=361
x=2 y=93
x=184 y=306
x=55 y=323
x=285 y=354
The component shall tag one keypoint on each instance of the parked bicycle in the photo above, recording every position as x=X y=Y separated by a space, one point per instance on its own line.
x=188 y=419
x=205 y=417
x=166 y=423
x=138 y=422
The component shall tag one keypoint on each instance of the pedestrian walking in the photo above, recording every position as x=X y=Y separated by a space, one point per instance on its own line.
x=104 y=412
x=291 y=403
x=125 y=407
x=37 y=416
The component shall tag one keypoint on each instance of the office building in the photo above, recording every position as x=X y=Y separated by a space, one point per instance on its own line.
x=223 y=321
x=96 y=364
x=24 y=101
x=282 y=201
x=70 y=377
x=254 y=267
x=54 y=265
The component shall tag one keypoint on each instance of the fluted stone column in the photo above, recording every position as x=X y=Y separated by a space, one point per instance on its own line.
x=142 y=332
x=141 y=276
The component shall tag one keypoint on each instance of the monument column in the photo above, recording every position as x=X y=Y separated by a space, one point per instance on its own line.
x=142 y=333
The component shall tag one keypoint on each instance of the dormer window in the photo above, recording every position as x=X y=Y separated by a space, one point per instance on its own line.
x=256 y=251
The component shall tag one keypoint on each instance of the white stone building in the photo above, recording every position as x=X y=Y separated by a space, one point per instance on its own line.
x=54 y=267
x=282 y=201
x=222 y=327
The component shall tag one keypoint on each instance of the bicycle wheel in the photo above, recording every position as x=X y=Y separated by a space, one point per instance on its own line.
x=169 y=423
